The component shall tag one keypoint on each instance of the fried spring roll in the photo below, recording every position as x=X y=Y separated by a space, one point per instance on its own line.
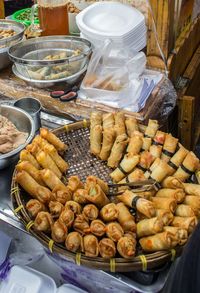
x=31 y=170
x=153 y=166
x=62 y=194
x=146 y=143
x=26 y=156
x=169 y=147
x=90 y=212
x=155 y=151
x=107 y=248
x=52 y=152
x=159 y=138
x=59 y=232
x=189 y=165
x=148 y=227
x=168 y=204
x=160 y=171
x=126 y=165
x=193 y=189
x=135 y=145
x=96 y=136
x=92 y=180
x=188 y=223
x=91 y=246
x=97 y=196
x=109 y=212
x=81 y=225
x=172 y=182
x=184 y=210
x=146 y=160
x=177 y=194
x=194 y=202
x=151 y=128
x=109 y=136
x=50 y=178
x=74 y=242
x=95 y=119
x=119 y=123
x=136 y=175
x=53 y=139
x=47 y=163
x=126 y=247
x=80 y=196
x=108 y=120
x=74 y=207
x=165 y=215
x=181 y=235
x=66 y=217
x=144 y=206
x=34 y=206
x=98 y=228
x=131 y=126
x=43 y=222
x=74 y=183
x=39 y=192
x=125 y=218
x=114 y=231
x=177 y=158
x=55 y=208
x=160 y=241
x=33 y=148
x=117 y=150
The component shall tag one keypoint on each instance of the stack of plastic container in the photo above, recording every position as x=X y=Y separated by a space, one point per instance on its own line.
x=121 y=23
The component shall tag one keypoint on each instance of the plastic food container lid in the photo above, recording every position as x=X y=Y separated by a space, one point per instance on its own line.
x=68 y=288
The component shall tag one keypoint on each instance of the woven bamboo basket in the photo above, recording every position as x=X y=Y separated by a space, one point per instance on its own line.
x=83 y=164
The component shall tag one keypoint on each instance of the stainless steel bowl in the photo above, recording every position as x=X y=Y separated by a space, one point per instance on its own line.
x=23 y=121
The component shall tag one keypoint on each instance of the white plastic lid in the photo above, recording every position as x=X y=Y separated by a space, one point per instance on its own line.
x=68 y=288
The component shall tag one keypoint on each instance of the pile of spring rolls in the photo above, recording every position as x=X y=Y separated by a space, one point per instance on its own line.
x=171 y=213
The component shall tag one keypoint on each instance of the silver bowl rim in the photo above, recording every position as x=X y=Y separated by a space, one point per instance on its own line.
x=30 y=137
x=18 y=35
x=65 y=79
x=21 y=60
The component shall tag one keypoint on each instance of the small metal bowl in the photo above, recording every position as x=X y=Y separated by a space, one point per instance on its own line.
x=24 y=122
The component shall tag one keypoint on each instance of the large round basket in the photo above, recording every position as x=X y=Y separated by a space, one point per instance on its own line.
x=83 y=164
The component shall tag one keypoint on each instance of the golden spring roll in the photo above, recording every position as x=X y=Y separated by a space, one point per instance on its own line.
x=55 y=208
x=126 y=247
x=189 y=165
x=62 y=194
x=131 y=126
x=98 y=228
x=81 y=225
x=97 y=196
x=153 y=166
x=165 y=215
x=74 y=242
x=184 y=210
x=172 y=182
x=80 y=196
x=34 y=206
x=180 y=234
x=160 y=241
x=191 y=188
x=146 y=160
x=95 y=119
x=90 y=212
x=194 y=202
x=142 y=205
x=119 y=123
x=33 y=148
x=92 y=180
x=177 y=194
x=148 y=194
x=188 y=223
x=109 y=136
x=126 y=166
x=159 y=138
x=52 y=152
x=160 y=171
x=59 y=232
x=114 y=231
x=26 y=156
x=31 y=169
x=53 y=139
x=107 y=248
x=155 y=151
x=75 y=207
x=50 y=179
x=117 y=150
x=146 y=143
x=91 y=246
x=37 y=191
x=43 y=222
x=47 y=163
x=152 y=128
x=125 y=218
x=109 y=212
x=136 y=175
x=135 y=144
x=108 y=120
x=177 y=158
x=96 y=136
x=66 y=217
x=169 y=147
x=74 y=183
x=169 y=204
x=149 y=227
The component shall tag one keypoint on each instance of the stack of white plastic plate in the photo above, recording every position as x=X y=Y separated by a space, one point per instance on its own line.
x=121 y=23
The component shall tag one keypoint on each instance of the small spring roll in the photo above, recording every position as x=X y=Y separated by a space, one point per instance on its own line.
x=107 y=248
x=146 y=159
x=125 y=218
x=148 y=227
x=80 y=196
x=26 y=156
x=177 y=194
x=172 y=182
x=50 y=178
x=160 y=241
x=43 y=222
x=74 y=242
x=109 y=212
x=194 y=202
x=92 y=180
x=74 y=207
x=39 y=192
x=184 y=210
x=148 y=194
x=169 y=147
x=155 y=151
x=81 y=225
x=97 y=196
x=136 y=175
x=59 y=232
x=47 y=163
x=98 y=228
x=33 y=148
x=159 y=138
x=131 y=126
x=160 y=171
x=126 y=165
x=55 y=208
x=168 y=204
x=144 y=206
x=146 y=143
x=96 y=136
x=177 y=158
x=151 y=128
x=108 y=120
x=165 y=215
x=53 y=139
x=109 y=136
x=193 y=189
x=90 y=212
x=91 y=246
x=31 y=169
x=188 y=223
x=114 y=231
x=180 y=234
x=62 y=194
x=34 y=206
x=153 y=166
x=95 y=119
x=135 y=144
x=74 y=183
x=117 y=150
x=66 y=217
x=189 y=165
x=126 y=247
x=119 y=123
